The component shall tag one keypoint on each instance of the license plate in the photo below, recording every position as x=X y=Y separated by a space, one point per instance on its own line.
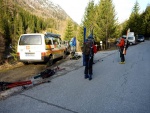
x=29 y=54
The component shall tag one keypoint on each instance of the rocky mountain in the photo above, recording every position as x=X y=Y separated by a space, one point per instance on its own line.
x=43 y=8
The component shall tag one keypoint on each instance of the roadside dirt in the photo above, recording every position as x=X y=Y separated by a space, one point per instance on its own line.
x=20 y=72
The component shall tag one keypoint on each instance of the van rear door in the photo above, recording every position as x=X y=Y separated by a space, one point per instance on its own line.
x=30 y=47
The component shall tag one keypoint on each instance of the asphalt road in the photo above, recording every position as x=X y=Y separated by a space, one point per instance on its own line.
x=115 y=88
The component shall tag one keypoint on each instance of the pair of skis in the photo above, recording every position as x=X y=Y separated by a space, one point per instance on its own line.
x=125 y=49
x=8 y=85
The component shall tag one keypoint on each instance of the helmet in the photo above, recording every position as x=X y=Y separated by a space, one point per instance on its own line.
x=90 y=36
x=124 y=36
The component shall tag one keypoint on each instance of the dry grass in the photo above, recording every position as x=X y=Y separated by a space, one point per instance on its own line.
x=7 y=66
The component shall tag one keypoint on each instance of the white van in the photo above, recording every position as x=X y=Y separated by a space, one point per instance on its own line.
x=131 y=38
x=37 y=47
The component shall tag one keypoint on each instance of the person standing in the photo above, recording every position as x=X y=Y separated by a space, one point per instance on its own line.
x=121 y=45
x=73 y=44
x=88 y=50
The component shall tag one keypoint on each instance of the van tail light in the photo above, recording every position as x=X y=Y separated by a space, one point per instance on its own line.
x=18 y=54
x=43 y=54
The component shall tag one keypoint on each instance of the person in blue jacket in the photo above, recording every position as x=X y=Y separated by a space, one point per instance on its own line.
x=73 y=44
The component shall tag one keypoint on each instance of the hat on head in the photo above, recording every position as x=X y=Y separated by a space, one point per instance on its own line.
x=124 y=36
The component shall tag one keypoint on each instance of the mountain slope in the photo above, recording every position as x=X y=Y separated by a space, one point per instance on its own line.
x=46 y=9
x=43 y=8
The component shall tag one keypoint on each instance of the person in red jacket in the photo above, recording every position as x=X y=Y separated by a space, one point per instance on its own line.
x=121 y=45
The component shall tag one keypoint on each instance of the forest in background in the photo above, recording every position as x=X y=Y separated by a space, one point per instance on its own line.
x=102 y=18
x=99 y=18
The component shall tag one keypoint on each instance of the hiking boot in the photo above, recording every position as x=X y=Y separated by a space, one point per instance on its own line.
x=121 y=62
x=90 y=77
x=86 y=76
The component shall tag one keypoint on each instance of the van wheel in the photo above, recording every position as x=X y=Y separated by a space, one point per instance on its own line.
x=130 y=43
x=64 y=55
x=25 y=63
x=50 y=61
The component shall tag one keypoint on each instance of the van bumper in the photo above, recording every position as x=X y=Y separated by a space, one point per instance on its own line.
x=43 y=59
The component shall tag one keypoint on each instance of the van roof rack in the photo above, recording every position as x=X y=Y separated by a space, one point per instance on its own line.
x=52 y=35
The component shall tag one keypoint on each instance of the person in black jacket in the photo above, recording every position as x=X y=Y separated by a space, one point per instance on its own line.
x=89 y=60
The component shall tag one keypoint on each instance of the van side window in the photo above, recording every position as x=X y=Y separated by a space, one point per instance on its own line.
x=48 y=42
x=60 y=41
x=55 y=41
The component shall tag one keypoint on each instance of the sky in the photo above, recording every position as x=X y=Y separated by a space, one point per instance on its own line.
x=76 y=8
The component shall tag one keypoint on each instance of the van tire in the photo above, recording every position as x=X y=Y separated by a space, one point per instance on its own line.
x=50 y=61
x=25 y=63
x=131 y=43
x=64 y=55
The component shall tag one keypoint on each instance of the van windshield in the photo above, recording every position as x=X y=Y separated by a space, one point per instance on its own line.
x=130 y=38
x=30 y=40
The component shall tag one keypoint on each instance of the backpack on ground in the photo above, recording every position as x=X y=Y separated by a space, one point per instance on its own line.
x=87 y=48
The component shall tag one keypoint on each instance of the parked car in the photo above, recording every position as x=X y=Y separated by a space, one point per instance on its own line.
x=140 y=38
x=38 y=47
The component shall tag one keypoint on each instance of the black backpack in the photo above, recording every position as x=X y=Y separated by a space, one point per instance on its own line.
x=87 y=47
x=127 y=45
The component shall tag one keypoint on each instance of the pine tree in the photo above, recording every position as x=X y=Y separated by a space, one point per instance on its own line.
x=146 y=21
x=89 y=21
x=134 y=22
x=106 y=21
x=89 y=17
x=69 y=31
